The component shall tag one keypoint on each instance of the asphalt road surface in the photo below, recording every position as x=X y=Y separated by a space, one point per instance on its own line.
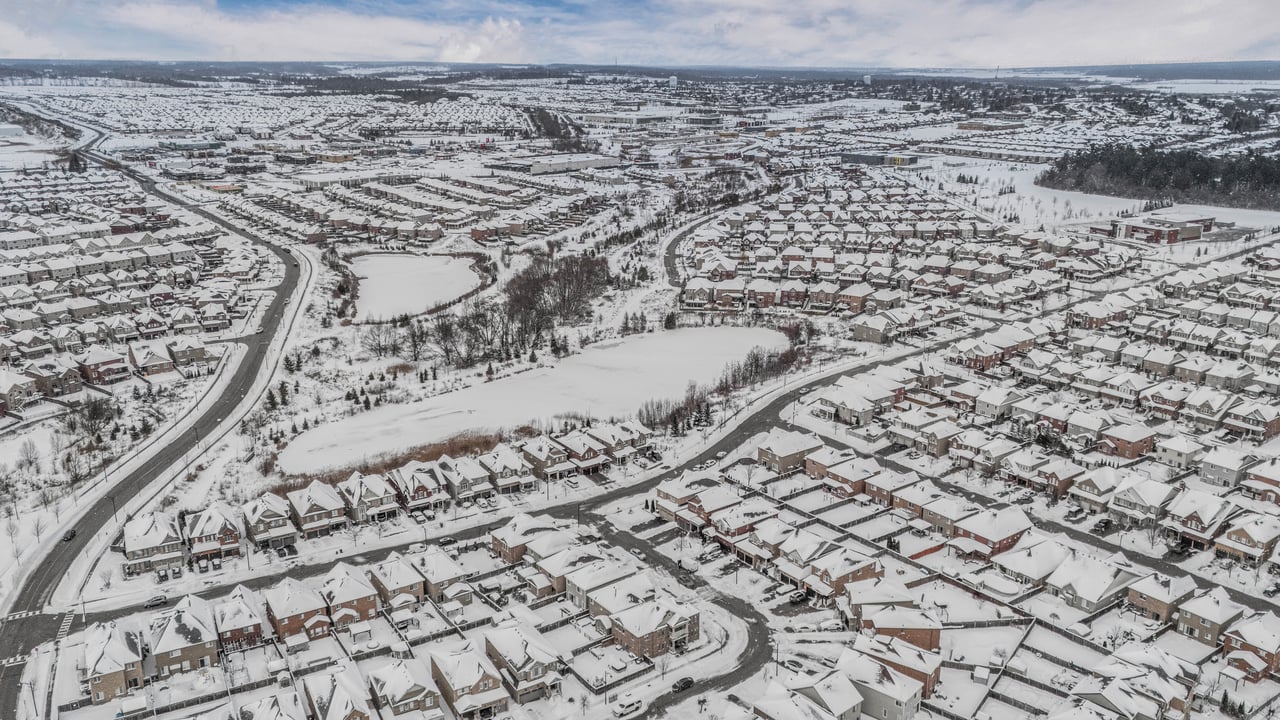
x=18 y=635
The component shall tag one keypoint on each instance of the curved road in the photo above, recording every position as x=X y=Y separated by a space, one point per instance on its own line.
x=18 y=634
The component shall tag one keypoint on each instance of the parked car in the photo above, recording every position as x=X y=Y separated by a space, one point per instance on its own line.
x=798 y=597
x=628 y=706
x=682 y=684
x=447 y=541
x=156 y=601
x=1271 y=590
x=1103 y=525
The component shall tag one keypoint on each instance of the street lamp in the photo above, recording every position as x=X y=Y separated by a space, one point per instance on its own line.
x=112 y=497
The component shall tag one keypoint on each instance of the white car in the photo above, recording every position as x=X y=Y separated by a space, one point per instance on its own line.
x=628 y=706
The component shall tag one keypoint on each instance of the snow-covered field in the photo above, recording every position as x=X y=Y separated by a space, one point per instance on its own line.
x=396 y=284
x=27 y=151
x=611 y=379
x=1034 y=205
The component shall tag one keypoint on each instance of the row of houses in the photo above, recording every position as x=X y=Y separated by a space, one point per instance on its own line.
x=473 y=679
x=161 y=541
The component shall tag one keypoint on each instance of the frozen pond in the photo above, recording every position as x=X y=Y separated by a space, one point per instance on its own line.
x=610 y=379
x=400 y=284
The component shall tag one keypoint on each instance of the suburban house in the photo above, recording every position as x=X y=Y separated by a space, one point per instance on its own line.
x=184 y=638
x=213 y=532
x=1159 y=596
x=112 y=662
x=785 y=450
x=990 y=532
x=294 y=609
x=238 y=618
x=337 y=696
x=317 y=509
x=467 y=679
x=349 y=595
x=1207 y=615
x=529 y=667
x=368 y=498
x=269 y=522
x=654 y=628
x=153 y=541
x=405 y=686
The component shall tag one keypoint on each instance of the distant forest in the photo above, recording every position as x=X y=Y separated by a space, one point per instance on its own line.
x=1247 y=181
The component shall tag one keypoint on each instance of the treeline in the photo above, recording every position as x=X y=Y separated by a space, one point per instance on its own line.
x=1248 y=181
x=550 y=291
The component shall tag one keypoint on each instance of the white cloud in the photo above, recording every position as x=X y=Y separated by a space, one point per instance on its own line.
x=16 y=42
x=827 y=33
x=317 y=33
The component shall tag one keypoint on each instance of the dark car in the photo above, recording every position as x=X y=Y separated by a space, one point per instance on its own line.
x=682 y=684
x=447 y=541
x=1103 y=525
x=69 y=535
x=687 y=581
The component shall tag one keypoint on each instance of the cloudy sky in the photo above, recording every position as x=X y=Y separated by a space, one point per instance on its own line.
x=814 y=33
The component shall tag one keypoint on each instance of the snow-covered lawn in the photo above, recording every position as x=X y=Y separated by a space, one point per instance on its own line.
x=607 y=380
x=400 y=284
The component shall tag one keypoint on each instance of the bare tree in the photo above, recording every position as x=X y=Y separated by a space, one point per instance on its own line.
x=381 y=340
x=29 y=455
x=38 y=524
x=417 y=340
x=11 y=529
x=94 y=414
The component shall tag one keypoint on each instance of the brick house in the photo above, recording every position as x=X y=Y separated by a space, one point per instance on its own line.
x=918 y=627
x=655 y=628
x=1206 y=616
x=398 y=583
x=269 y=522
x=527 y=665
x=1158 y=596
x=419 y=486
x=368 y=498
x=907 y=658
x=1250 y=538
x=1252 y=645
x=112 y=661
x=349 y=595
x=784 y=451
x=467 y=680
x=184 y=638
x=238 y=619
x=990 y=532
x=213 y=532
x=317 y=509
x=1128 y=442
x=294 y=608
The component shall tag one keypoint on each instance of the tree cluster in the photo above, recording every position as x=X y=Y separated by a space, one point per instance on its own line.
x=550 y=291
x=1249 y=181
